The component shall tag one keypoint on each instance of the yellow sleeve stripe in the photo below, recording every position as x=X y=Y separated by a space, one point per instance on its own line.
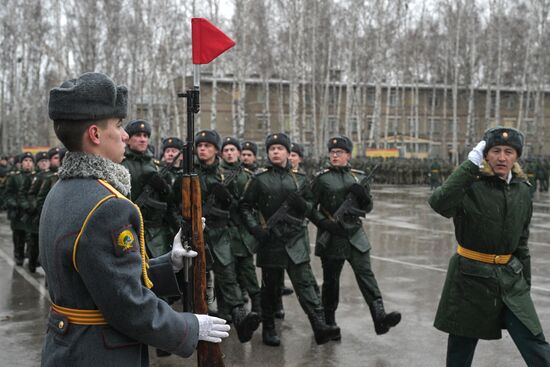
x=84 y=226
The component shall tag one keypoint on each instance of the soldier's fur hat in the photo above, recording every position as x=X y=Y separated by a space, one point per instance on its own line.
x=25 y=155
x=208 y=136
x=504 y=136
x=279 y=138
x=41 y=155
x=297 y=148
x=342 y=142
x=231 y=141
x=53 y=151
x=138 y=126
x=90 y=97
x=250 y=145
x=172 y=142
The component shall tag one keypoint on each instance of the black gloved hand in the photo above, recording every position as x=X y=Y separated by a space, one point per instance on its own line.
x=331 y=226
x=360 y=192
x=222 y=195
x=297 y=203
x=260 y=233
x=158 y=184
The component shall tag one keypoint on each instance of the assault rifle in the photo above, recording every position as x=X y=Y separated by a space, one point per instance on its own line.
x=144 y=199
x=194 y=300
x=282 y=215
x=349 y=207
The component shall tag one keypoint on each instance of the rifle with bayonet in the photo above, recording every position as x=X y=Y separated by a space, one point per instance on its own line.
x=194 y=298
x=349 y=207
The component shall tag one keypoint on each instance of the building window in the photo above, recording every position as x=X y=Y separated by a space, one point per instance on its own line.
x=262 y=120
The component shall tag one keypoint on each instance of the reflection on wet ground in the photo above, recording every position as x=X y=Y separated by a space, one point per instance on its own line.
x=411 y=248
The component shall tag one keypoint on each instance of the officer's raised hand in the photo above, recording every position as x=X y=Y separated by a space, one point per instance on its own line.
x=476 y=155
x=178 y=253
x=212 y=329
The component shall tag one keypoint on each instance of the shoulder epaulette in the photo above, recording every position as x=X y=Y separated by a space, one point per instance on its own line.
x=247 y=170
x=260 y=171
x=299 y=172
x=321 y=172
x=357 y=171
x=156 y=161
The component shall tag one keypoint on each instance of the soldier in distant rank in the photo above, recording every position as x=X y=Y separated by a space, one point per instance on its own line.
x=489 y=278
x=243 y=244
x=149 y=190
x=104 y=310
x=50 y=178
x=338 y=241
x=217 y=203
x=14 y=194
x=296 y=156
x=435 y=175
x=285 y=246
x=31 y=209
x=248 y=155
x=171 y=172
x=4 y=170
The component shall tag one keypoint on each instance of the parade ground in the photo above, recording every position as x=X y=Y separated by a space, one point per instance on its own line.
x=411 y=246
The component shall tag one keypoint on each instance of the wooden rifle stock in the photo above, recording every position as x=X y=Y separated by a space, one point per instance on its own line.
x=208 y=354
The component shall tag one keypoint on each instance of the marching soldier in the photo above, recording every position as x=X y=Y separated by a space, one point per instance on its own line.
x=489 y=278
x=248 y=156
x=109 y=313
x=31 y=209
x=50 y=178
x=346 y=238
x=14 y=199
x=243 y=244
x=149 y=190
x=296 y=156
x=4 y=170
x=171 y=172
x=217 y=202
x=274 y=189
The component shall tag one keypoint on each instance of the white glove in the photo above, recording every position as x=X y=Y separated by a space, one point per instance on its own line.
x=179 y=254
x=212 y=329
x=476 y=155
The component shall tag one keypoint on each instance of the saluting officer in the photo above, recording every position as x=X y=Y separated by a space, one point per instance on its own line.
x=14 y=200
x=284 y=247
x=489 y=278
x=347 y=239
x=149 y=191
x=92 y=246
x=217 y=202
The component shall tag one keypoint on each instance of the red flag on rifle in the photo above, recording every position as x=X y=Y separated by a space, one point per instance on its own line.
x=208 y=41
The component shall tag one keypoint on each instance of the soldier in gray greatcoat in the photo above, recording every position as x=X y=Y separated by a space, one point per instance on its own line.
x=105 y=309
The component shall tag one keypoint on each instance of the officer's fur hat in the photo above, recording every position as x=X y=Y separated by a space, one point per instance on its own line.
x=53 y=151
x=342 y=142
x=231 y=140
x=25 y=155
x=504 y=136
x=90 y=97
x=41 y=155
x=298 y=149
x=172 y=142
x=208 y=136
x=278 y=138
x=250 y=145
x=138 y=126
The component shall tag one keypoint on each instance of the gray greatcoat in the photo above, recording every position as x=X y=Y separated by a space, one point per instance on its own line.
x=92 y=259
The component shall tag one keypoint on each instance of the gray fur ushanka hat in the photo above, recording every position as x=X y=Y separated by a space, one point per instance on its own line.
x=90 y=97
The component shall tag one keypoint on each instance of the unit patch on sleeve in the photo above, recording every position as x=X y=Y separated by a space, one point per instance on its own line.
x=124 y=240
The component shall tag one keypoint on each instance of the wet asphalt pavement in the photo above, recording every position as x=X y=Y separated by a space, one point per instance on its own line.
x=411 y=248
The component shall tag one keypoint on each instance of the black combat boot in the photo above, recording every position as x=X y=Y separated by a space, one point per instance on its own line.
x=279 y=309
x=330 y=319
x=269 y=334
x=323 y=332
x=245 y=323
x=256 y=304
x=383 y=321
